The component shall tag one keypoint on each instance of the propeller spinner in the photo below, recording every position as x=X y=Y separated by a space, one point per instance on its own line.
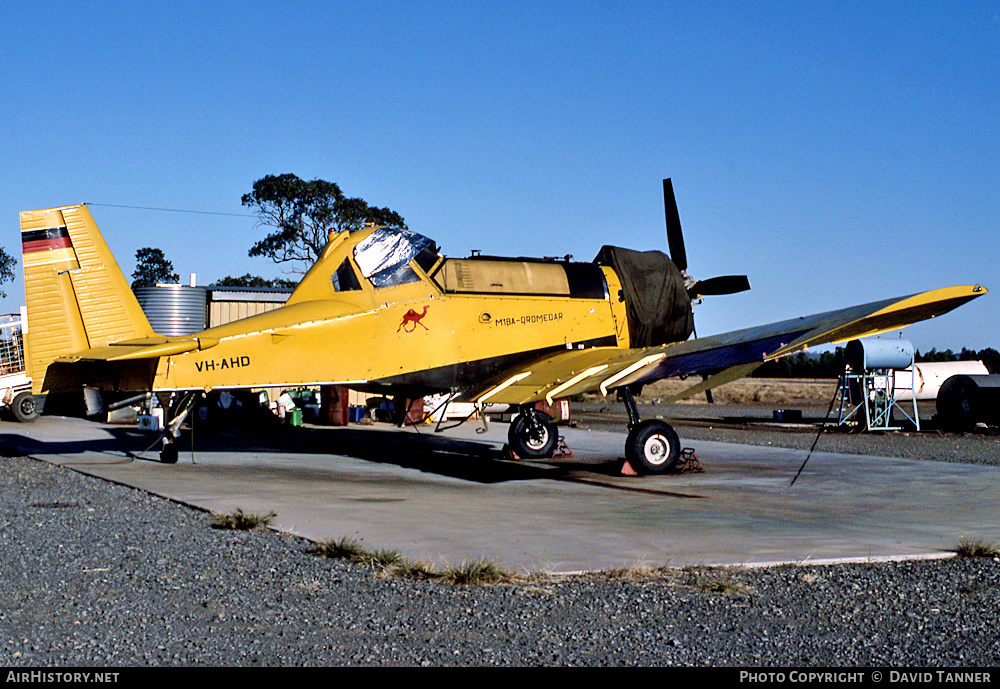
x=723 y=284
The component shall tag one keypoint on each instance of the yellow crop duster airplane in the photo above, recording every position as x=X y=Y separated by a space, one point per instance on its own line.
x=381 y=310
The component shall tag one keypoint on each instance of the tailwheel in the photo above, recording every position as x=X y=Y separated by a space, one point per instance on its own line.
x=533 y=435
x=653 y=447
x=179 y=408
x=168 y=453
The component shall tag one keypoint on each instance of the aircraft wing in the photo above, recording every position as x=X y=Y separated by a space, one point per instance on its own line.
x=728 y=356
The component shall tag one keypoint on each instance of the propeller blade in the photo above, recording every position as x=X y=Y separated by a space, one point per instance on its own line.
x=675 y=238
x=724 y=284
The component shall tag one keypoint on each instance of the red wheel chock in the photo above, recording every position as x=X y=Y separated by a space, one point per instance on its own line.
x=627 y=469
x=562 y=450
x=688 y=464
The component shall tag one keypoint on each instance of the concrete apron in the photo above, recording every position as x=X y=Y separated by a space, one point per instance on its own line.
x=446 y=498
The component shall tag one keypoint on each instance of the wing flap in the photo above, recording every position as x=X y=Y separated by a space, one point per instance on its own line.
x=570 y=369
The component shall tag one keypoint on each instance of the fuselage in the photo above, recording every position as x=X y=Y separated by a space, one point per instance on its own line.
x=381 y=309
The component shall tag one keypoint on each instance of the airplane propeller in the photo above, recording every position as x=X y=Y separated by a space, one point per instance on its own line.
x=675 y=237
x=723 y=284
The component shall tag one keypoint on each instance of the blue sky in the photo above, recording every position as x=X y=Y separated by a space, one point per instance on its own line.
x=837 y=153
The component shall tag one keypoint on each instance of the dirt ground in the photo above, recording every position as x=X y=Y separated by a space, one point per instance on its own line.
x=779 y=391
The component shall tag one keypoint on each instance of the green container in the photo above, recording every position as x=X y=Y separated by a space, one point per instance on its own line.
x=295 y=417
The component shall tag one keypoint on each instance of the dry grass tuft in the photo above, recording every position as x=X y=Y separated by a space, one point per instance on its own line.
x=476 y=573
x=243 y=521
x=976 y=547
x=344 y=549
x=391 y=565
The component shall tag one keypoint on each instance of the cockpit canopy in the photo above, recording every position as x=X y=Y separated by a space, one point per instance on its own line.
x=384 y=256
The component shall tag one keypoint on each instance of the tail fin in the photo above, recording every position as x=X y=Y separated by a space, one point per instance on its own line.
x=77 y=297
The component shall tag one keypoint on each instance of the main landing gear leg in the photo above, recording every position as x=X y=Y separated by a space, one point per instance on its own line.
x=532 y=434
x=652 y=446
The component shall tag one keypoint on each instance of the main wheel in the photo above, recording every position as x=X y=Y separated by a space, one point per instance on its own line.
x=24 y=407
x=653 y=447
x=532 y=435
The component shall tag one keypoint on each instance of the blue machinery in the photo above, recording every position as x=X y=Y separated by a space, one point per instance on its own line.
x=869 y=384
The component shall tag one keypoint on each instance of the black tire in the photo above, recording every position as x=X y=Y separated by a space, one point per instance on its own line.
x=168 y=454
x=956 y=404
x=24 y=407
x=532 y=435
x=653 y=447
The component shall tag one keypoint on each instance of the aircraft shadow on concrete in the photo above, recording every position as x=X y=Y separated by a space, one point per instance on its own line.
x=481 y=462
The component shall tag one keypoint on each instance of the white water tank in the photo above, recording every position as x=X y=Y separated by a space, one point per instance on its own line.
x=873 y=353
x=930 y=375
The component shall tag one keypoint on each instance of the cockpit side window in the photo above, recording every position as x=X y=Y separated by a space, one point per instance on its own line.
x=344 y=279
x=428 y=258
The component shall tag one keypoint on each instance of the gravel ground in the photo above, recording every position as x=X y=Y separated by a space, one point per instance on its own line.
x=98 y=574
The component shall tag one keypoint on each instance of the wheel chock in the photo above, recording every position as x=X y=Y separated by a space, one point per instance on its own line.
x=690 y=464
x=508 y=453
x=562 y=450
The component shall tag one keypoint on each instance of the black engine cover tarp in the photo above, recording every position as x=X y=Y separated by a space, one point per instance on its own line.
x=656 y=301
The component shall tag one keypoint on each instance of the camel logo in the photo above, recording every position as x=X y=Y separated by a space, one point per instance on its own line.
x=411 y=319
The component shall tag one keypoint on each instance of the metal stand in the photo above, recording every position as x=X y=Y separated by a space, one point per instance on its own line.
x=869 y=397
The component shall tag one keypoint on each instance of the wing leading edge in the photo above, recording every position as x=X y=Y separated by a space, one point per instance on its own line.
x=728 y=356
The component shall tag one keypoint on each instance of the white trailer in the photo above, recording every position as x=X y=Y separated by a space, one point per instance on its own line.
x=15 y=385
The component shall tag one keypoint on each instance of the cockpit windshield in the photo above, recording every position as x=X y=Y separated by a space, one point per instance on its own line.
x=385 y=254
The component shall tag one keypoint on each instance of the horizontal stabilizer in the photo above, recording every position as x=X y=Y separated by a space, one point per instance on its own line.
x=132 y=350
